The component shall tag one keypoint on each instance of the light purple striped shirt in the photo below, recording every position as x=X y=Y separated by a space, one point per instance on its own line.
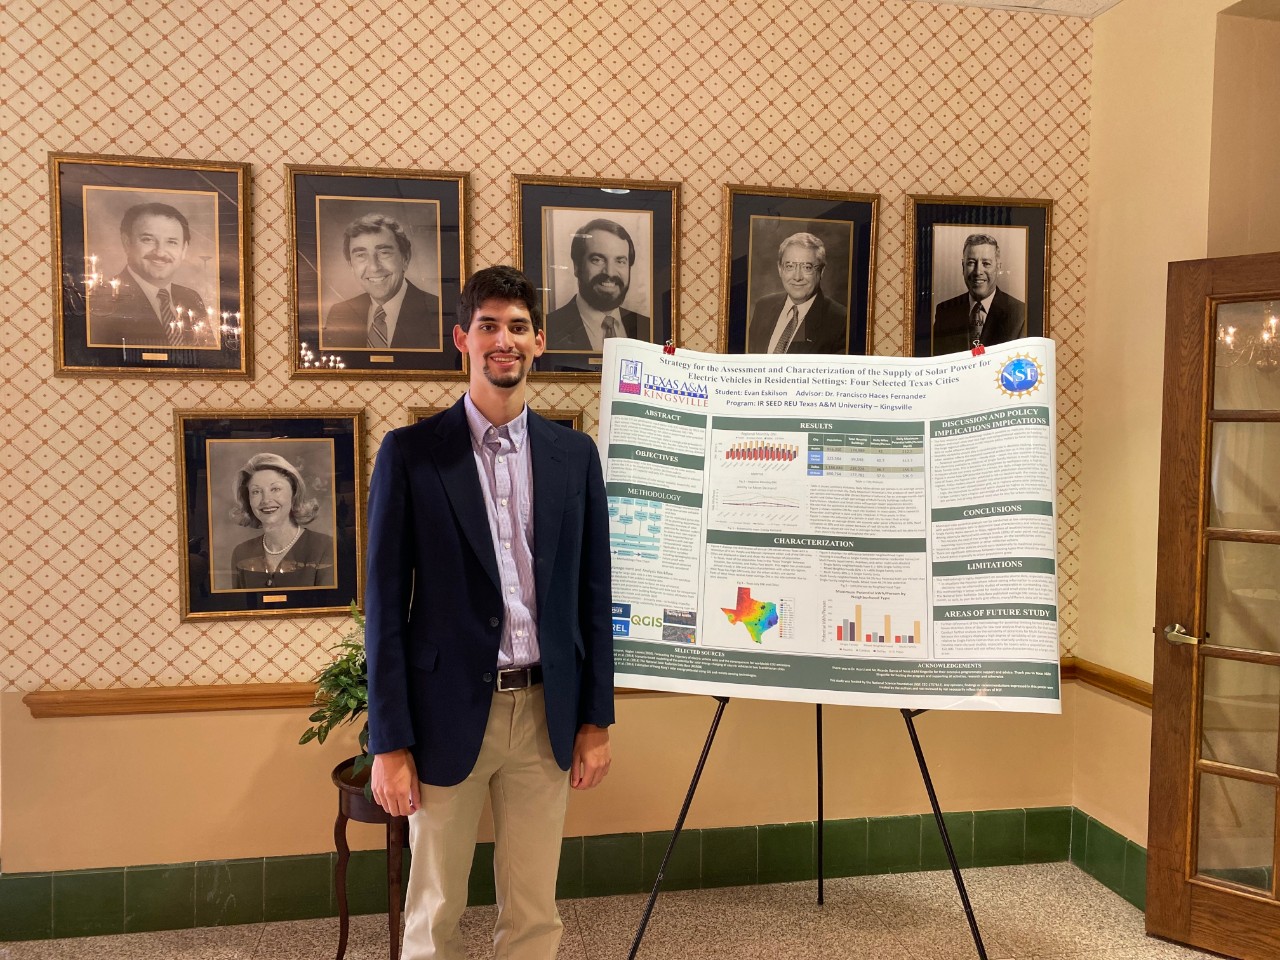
x=506 y=477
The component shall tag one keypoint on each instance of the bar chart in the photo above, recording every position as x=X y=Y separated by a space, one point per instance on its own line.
x=856 y=631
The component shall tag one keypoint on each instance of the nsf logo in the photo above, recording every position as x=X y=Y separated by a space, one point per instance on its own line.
x=1020 y=376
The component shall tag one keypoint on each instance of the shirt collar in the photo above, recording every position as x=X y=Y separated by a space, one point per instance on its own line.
x=479 y=425
x=986 y=302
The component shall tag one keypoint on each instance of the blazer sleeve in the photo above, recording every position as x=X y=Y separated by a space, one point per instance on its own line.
x=388 y=589
x=595 y=700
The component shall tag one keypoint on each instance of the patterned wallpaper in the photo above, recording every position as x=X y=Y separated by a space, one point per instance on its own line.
x=861 y=95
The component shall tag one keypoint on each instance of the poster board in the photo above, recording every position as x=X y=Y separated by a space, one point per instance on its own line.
x=850 y=530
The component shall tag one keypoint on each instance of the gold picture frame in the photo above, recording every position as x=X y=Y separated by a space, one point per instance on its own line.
x=640 y=216
x=836 y=228
x=335 y=216
x=152 y=268
x=1018 y=232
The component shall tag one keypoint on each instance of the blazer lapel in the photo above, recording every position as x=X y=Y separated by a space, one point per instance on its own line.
x=456 y=462
x=550 y=474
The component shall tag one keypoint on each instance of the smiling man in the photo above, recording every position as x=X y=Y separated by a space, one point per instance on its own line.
x=392 y=313
x=488 y=633
x=603 y=255
x=142 y=306
x=984 y=314
x=801 y=319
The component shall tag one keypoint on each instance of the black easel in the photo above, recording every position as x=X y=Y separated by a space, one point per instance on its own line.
x=908 y=716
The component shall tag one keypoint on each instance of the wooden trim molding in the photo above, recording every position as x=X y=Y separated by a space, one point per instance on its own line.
x=123 y=701
x=120 y=701
x=1104 y=678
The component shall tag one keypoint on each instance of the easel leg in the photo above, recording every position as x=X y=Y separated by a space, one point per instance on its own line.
x=675 y=835
x=909 y=716
x=821 y=822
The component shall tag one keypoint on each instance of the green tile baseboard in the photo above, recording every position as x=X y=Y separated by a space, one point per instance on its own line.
x=36 y=906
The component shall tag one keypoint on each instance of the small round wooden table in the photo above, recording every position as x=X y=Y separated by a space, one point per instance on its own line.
x=353 y=805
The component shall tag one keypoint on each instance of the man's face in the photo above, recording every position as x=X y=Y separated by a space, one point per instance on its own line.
x=155 y=248
x=501 y=344
x=799 y=271
x=981 y=267
x=604 y=272
x=378 y=264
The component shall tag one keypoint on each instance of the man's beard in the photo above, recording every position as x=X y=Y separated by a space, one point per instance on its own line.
x=602 y=300
x=507 y=380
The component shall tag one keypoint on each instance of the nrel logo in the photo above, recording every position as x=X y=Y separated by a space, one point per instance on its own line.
x=629 y=381
x=622 y=619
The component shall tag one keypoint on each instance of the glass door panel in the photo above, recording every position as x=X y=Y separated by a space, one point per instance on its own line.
x=1243 y=594
x=1247 y=356
x=1244 y=469
x=1240 y=714
x=1237 y=831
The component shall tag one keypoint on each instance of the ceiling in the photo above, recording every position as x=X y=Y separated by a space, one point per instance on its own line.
x=1072 y=8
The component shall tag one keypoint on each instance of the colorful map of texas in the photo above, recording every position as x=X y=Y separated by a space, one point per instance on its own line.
x=756 y=615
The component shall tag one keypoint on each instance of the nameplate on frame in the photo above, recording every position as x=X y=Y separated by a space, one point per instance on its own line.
x=275 y=598
x=379 y=358
x=155 y=356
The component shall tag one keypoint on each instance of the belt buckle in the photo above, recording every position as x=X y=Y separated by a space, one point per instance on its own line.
x=519 y=677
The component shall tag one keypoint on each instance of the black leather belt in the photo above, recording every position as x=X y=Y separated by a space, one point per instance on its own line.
x=518 y=678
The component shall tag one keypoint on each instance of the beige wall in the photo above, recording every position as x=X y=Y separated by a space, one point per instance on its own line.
x=116 y=791
x=1151 y=115
x=1244 y=191
x=1111 y=763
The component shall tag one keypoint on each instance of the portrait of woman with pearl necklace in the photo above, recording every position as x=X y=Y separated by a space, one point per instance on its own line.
x=271 y=497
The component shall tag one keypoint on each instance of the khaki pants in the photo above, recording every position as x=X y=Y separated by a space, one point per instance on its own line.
x=528 y=793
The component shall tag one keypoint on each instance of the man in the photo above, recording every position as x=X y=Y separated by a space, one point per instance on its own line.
x=488 y=632
x=603 y=255
x=391 y=314
x=142 y=306
x=985 y=314
x=802 y=319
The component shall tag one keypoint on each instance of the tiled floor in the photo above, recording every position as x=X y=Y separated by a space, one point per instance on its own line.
x=1044 y=911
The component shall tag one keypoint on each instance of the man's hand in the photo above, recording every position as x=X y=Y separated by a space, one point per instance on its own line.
x=395 y=782
x=590 y=756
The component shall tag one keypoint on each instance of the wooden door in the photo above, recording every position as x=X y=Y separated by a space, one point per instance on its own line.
x=1215 y=753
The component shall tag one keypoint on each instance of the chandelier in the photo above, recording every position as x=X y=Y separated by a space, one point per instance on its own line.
x=1250 y=342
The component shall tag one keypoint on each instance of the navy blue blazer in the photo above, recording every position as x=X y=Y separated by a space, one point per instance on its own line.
x=433 y=601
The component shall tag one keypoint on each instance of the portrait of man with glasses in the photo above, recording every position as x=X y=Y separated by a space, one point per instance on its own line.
x=800 y=319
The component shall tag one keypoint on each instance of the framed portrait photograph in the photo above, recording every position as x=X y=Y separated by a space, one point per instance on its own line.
x=977 y=271
x=566 y=417
x=271 y=507
x=151 y=267
x=379 y=259
x=798 y=271
x=604 y=255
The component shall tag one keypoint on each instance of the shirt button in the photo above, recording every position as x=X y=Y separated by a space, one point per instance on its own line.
x=504 y=501
x=506 y=545
x=494 y=621
x=511 y=589
x=501 y=460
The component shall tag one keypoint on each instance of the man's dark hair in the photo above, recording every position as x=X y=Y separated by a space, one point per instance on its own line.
x=578 y=248
x=498 y=283
x=153 y=210
x=373 y=223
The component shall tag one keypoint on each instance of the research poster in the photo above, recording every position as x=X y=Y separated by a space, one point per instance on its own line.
x=851 y=530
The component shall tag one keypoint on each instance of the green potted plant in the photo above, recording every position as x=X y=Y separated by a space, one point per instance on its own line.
x=342 y=696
